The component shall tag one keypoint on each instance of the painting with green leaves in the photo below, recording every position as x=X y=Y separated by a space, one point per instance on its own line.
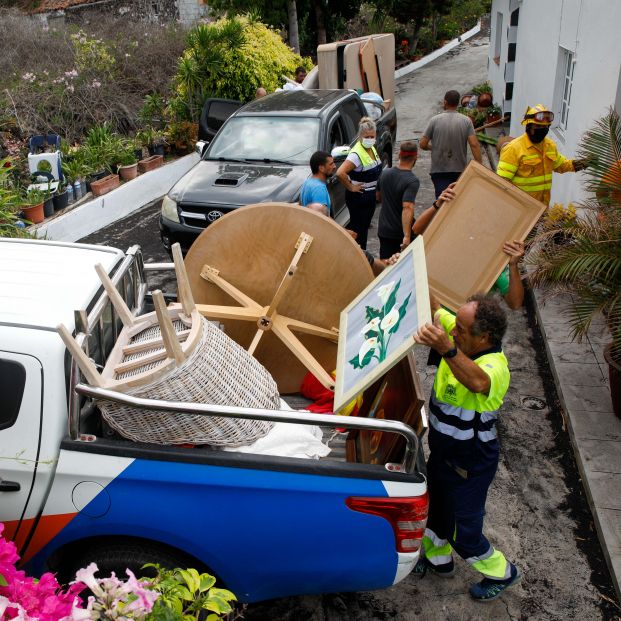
x=377 y=327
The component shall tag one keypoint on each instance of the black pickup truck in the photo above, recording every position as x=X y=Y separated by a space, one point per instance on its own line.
x=261 y=154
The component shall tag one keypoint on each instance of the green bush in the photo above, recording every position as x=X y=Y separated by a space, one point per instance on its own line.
x=230 y=59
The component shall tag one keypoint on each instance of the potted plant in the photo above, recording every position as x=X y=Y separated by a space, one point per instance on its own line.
x=494 y=113
x=105 y=185
x=158 y=145
x=31 y=204
x=183 y=135
x=48 y=200
x=589 y=265
x=153 y=140
x=137 y=148
x=73 y=170
x=61 y=198
x=128 y=166
x=150 y=163
x=10 y=224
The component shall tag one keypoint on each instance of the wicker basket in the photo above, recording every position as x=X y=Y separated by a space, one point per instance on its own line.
x=218 y=371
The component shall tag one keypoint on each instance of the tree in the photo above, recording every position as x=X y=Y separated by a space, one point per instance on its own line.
x=411 y=13
x=276 y=13
x=294 y=37
x=229 y=58
x=325 y=15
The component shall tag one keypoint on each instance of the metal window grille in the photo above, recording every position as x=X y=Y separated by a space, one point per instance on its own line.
x=568 y=66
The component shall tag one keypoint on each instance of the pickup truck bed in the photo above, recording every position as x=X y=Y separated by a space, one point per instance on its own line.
x=265 y=526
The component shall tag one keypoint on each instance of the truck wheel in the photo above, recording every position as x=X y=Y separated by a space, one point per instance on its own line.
x=386 y=159
x=118 y=556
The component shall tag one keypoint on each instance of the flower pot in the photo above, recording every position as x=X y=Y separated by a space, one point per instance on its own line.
x=150 y=163
x=157 y=150
x=48 y=207
x=493 y=117
x=98 y=175
x=614 y=374
x=34 y=213
x=485 y=100
x=128 y=172
x=105 y=185
x=61 y=200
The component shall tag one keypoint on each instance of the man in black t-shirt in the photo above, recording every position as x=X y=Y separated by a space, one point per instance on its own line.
x=398 y=187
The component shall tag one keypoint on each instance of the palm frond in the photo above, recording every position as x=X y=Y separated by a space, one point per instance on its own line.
x=601 y=148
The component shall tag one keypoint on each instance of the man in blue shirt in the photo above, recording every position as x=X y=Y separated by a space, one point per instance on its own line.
x=314 y=192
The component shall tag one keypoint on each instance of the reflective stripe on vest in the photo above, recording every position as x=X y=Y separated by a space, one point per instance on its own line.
x=461 y=423
x=506 y=166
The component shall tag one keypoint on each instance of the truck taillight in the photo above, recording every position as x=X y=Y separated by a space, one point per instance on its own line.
x=407 y=516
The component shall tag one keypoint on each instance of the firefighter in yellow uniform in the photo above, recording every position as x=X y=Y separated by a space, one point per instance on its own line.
x=529 y=161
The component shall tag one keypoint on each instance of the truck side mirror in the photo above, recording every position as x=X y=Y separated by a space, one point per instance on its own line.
x=200 y=147
x=340 y=153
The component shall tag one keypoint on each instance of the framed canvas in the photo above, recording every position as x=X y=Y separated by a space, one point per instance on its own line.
x=376 y=328
x=463 y=243
x=395 y=396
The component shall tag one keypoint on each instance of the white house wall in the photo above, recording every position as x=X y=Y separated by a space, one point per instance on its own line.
x=589 y=29
x=496 y=72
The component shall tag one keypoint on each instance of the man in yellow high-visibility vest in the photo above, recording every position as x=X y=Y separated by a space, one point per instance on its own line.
x=529 y=161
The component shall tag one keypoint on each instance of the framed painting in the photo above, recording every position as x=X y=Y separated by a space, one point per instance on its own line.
x=463 y=243
x=395 y=396
x=376 y=328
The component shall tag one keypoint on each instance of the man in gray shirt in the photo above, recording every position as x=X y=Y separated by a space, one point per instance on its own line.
x=446 y=137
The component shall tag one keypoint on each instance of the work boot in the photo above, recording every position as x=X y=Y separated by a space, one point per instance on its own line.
x=488 y=589
x=446 y=570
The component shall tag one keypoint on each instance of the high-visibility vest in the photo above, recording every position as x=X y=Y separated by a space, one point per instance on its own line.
x=463 y=423
x=530 y=166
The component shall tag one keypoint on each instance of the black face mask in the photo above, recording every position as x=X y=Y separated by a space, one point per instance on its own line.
x=537 y=134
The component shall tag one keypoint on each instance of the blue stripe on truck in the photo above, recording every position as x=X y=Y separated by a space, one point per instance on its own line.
x=265 y=533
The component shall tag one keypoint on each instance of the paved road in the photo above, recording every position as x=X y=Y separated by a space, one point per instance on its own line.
x=537 y=513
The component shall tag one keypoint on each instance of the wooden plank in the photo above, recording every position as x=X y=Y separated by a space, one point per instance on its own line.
x=368 y=63
x=118 y=302
x=88 y=368
x=213 y=311
x=211 y=274
x=463 y=243
x=184 y=293
x=169 y=336
x=298 y=349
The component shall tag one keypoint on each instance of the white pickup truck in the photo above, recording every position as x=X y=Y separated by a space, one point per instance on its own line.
x=72 y=491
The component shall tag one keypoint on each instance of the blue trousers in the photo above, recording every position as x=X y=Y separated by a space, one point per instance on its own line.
x=456 y=514
x=441 y=181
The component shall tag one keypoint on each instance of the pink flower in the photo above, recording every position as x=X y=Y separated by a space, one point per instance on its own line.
x=86 y=575
x=145 y=597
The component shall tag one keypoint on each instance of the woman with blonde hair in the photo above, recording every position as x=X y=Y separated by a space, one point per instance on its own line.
x=359 y=174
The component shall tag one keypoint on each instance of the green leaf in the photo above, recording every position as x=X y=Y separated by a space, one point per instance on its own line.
x=185 y=594
x=3 y=581
x=372 y=313
x=190 y=577
x=217 y=604
x=402 y=311
x=355 y=362
x=392 y=298
x=367 y=358
x=223 y=593
x=206 y=582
